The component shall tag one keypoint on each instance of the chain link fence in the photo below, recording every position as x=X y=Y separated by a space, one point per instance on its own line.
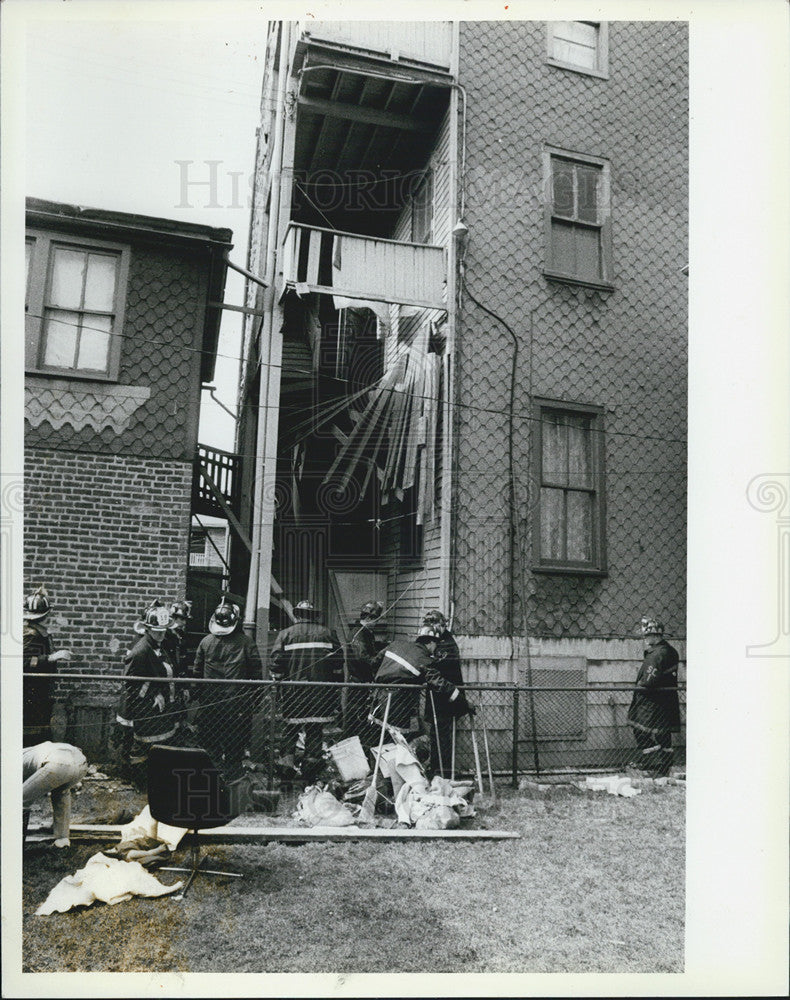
x=283 y=731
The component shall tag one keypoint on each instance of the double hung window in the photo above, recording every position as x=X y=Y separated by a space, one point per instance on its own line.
x=577 y=218
x=75 y=292
x=569 y=478
x=581 y=46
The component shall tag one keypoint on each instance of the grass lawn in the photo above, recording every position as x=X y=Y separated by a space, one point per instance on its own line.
x=596 y=884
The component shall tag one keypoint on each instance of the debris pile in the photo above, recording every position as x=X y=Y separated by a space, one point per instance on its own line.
x=398 y=785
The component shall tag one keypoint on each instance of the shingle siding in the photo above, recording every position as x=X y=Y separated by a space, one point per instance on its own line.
x=623 y=350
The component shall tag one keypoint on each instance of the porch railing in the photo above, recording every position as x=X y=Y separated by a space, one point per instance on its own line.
x=217 y=482
x=363 y=267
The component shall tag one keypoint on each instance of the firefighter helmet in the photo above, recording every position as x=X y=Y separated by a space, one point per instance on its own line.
x=429 y=633
x=156 y=618
x=304 y=609
x=435 y=618
x=371 y=610
x=651 y=626
x=181 y=609
x=225 y=619
x=37 y=605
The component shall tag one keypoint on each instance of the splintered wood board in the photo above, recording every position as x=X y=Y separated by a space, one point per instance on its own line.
x=290 y=834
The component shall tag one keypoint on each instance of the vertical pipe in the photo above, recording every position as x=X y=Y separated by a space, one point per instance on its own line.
x=448 y=414
x=259 y=584
x=514 y=765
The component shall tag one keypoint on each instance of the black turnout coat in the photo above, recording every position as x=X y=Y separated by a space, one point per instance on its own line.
x=655 y=707
x=307 y=651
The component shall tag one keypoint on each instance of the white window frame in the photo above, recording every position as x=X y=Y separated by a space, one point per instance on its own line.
x=601 y=68
x=38 y=280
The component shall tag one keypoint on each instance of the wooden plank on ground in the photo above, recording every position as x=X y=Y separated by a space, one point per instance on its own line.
x=289 y=834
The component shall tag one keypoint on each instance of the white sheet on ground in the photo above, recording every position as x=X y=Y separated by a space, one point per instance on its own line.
x=108 y=880
x=613 y=784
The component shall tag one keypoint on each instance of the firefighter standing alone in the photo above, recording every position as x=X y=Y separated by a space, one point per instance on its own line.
x=654 y=713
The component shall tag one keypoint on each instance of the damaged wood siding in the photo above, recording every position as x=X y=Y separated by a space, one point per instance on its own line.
x=421 y=41
x=415 y=584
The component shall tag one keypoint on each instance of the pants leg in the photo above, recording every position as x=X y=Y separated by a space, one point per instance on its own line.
x=61 y=811
x=122 y=739
x=664 y=755
x=655 y=751
x=64 y=769
x=211 y=724
x=237 y=729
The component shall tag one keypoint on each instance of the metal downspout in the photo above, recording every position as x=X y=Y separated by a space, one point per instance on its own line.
x=446 y=515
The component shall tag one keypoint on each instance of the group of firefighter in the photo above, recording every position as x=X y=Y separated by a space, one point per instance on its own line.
x=379 y=680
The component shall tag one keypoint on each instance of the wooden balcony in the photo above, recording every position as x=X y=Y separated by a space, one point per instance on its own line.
x=363 y=267
x=425 y=42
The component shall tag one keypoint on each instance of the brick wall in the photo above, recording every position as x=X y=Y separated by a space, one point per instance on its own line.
x=623 y=350
x=106 y=534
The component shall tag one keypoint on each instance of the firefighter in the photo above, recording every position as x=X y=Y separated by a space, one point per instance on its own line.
x=412 y=662
x=147 y=712
x=175 y=646
x=439 y=710
x=361 y=656
x=654 y=713
x=38 y=658
x=224 y=719
x=175 y=639
x=306 y=651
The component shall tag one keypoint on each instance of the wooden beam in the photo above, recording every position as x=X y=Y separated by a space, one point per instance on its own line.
x=301 y=835
x=247 y=310
x=219 y=497
x=368 y=116
x=328 y=56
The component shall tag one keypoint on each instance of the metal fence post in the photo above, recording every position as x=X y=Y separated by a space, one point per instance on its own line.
x=272 y=731
x=514 y=780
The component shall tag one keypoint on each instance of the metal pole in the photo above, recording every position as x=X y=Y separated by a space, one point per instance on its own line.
x=514 y=780
x=272 y=731
x=256 y=608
